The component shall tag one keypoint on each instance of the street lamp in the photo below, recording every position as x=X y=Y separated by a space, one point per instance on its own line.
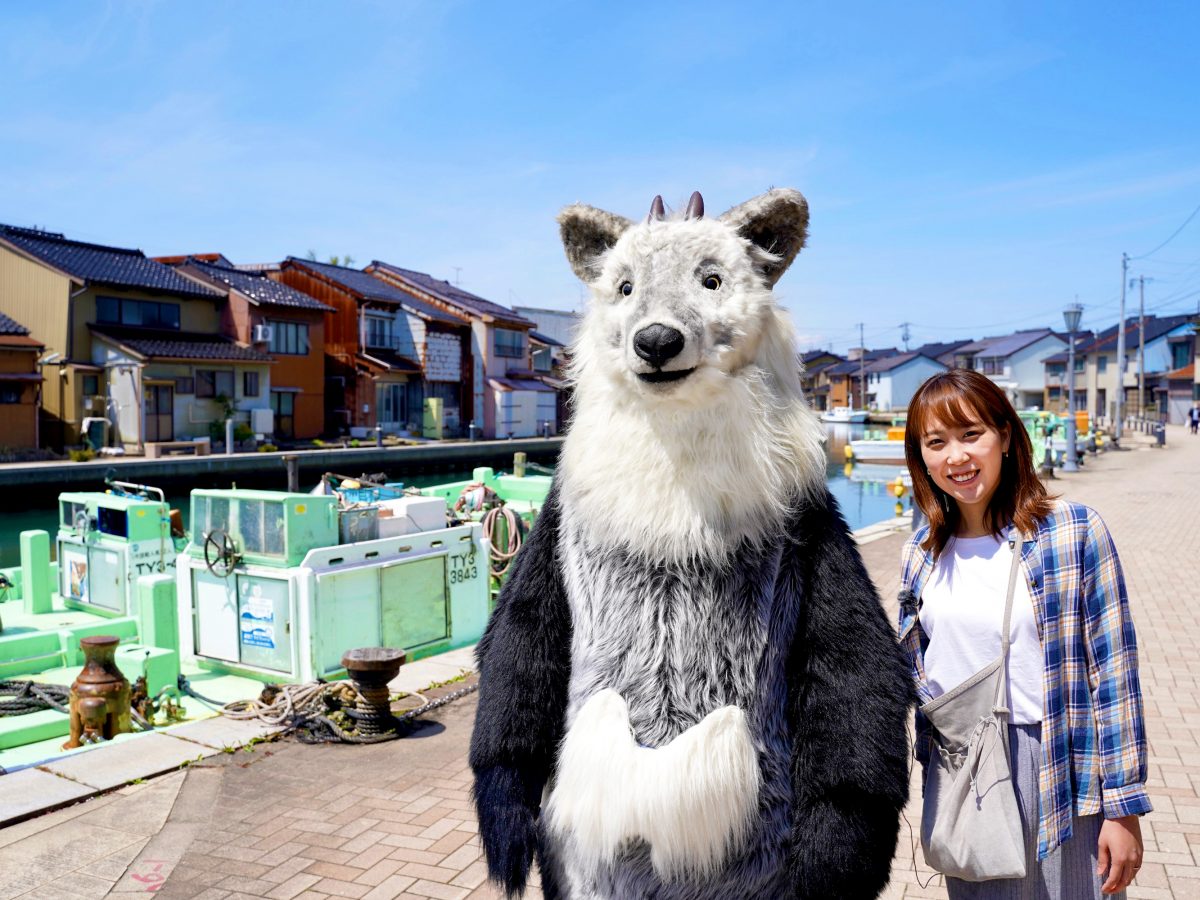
x=1071 y=316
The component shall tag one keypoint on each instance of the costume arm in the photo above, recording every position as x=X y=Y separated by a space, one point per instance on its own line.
x=524 y=667
x=849 y=693
x=1113 y=676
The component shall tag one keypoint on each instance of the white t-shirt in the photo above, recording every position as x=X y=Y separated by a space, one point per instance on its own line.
x=962 y=612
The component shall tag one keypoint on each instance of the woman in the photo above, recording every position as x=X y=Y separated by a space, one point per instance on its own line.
x=1076 y=733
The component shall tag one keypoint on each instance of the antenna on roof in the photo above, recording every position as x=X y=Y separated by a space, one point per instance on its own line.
x=457 y=275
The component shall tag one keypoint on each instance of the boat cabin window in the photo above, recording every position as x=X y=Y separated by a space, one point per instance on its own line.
x=261 y=525
x=113 y=522
x=72 y=513
x=209 y=514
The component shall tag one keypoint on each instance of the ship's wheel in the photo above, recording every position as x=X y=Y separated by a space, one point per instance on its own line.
x=220 y=553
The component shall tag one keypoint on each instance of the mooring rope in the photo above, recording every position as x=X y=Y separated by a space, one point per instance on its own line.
x=30 y=696
x=502 y=557
x=320 y=712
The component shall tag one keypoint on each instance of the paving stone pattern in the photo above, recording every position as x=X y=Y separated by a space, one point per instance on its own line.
x=395 y=820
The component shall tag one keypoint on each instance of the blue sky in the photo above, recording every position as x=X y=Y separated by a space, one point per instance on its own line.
x=970 y=168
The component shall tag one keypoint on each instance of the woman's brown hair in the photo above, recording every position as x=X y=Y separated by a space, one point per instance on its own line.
x=959 y=398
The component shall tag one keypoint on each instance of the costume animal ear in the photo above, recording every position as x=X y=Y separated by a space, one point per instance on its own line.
x=587 y=233
x=776 y=222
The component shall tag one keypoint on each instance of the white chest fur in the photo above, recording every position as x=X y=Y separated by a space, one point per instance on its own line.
x=692 y=801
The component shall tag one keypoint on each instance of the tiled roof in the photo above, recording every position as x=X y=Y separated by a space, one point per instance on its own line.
x=8 y=326
x=1081 y=341
x=888 y=363
x=369 y=287
x=258 y=287
x=162 y=344
x=934 y=350
x=1005 y=344
x=545 y=339
x=454 y=296
x=390 y=359
x=1156 y=327
x=810 y=355
x=98 y=264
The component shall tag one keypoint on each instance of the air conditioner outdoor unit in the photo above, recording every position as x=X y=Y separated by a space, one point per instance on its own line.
x=262 y=421
x=263 y=333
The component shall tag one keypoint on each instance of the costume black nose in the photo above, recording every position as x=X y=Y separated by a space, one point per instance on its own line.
x=657 y=343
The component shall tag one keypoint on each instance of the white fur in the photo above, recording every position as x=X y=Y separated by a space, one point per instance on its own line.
x=687 y=469
x=693 y=801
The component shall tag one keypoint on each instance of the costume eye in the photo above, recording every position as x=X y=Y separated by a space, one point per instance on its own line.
x=712 y=282
x=626 y=288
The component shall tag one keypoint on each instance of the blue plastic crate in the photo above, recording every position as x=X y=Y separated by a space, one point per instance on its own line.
x=372 y=494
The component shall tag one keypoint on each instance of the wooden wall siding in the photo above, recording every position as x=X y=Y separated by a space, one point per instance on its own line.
x=36 y=297
x=341 y=325
x=20 y=419
x=306 y=373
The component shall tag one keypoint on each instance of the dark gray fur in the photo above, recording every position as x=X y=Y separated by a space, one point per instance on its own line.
x=792 y=633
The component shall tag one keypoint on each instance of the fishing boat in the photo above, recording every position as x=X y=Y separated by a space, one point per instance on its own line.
x=845 y=415
x=268 y=587
x=887 y=447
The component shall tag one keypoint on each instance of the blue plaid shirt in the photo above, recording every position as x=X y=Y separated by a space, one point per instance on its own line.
x=1093 y=733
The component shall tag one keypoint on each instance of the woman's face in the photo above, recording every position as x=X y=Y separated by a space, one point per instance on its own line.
x=964 y=461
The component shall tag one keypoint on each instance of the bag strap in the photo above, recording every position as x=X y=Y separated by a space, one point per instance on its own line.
x=1005 y=631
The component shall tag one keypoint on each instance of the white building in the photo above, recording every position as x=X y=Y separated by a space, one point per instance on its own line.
x=892 y=381
x=1016 y=362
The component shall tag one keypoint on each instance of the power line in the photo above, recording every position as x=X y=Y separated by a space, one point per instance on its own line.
x=1174 y=235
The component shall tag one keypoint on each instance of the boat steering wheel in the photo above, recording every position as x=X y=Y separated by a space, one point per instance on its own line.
x=220 y=553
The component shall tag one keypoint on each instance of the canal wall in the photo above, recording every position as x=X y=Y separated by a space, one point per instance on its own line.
x=266 y=470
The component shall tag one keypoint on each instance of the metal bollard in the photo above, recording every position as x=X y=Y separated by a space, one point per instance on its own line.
x=1160 y=435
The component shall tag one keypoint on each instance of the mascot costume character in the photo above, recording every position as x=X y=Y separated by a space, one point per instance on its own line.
x=689 y=689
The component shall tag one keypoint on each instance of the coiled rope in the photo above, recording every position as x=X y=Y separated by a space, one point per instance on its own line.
x=30 y=696
x=502 y=557
x=320 y=712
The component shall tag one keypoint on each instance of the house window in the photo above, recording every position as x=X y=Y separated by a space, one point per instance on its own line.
x=283 y=404
x=1180 y=354
x=10 y=393
x=185 y=385
x=289 y=338
x=91 y=385
x=379 y=332
x=542 y=361
x=249 y=384
x=1102 y=364
x=510 y=344
x=144 y=313
x=214 y=383
x=993 y=365
x=1056 y=369
x=1080 y=363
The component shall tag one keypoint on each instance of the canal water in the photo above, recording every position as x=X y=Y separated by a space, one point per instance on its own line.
x=862 y=502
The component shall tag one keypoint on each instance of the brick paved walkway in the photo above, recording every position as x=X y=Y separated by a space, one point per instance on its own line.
x=394 y=820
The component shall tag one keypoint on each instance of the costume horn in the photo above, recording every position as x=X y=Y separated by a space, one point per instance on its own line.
x=657 y=211
x=695 y=208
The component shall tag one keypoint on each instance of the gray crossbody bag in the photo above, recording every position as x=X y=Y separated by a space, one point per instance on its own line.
x=970 y=825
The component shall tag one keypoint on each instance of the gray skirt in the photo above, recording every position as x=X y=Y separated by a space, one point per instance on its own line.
x=1069 y=873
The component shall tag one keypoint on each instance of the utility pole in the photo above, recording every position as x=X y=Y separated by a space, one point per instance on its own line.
x=1142 y=279
x=862 y=368
x=905 y=335
x=1120 y=401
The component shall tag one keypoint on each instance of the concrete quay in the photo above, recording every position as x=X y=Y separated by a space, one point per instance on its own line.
x=187 y=471
x=394 y=820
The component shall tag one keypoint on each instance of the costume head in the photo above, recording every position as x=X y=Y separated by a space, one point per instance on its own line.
x=685 y=371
